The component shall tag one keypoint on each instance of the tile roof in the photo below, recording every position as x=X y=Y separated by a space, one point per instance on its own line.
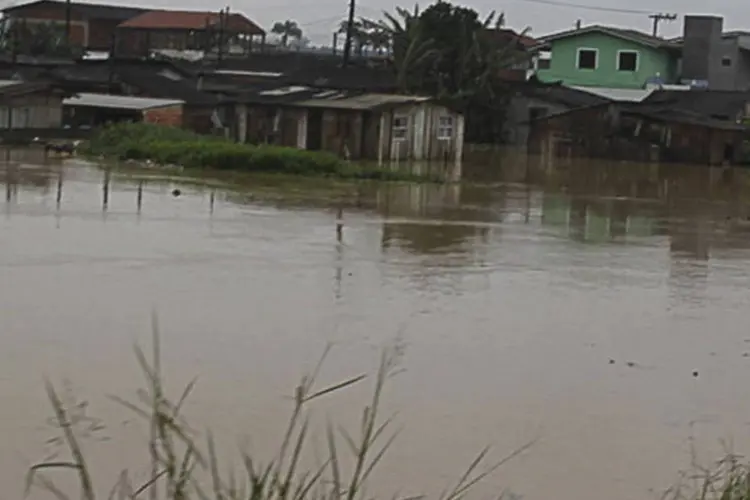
x=708 y=103
x=625 y=34
x=330 y=98
x=190 y=20
x=555 y=92
x=89 y=10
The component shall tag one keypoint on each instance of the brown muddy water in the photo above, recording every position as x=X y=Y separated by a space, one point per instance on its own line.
x=569 y=306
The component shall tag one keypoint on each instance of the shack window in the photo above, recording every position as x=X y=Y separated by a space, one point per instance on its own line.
x=400 y=128
x=726 y=61
x=587 y=58
x=445 y=128
x=627 y=60
x=543 y=64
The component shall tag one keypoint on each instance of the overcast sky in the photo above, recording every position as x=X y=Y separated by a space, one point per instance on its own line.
x=319 y=17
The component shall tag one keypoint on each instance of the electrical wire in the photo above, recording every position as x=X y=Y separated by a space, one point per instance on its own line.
x=589 y=7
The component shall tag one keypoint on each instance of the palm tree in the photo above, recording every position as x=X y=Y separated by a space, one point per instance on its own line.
x=360 y=35
x=410 y=49
x=288 y=29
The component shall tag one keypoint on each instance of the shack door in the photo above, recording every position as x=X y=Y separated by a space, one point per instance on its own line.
x=314 y=129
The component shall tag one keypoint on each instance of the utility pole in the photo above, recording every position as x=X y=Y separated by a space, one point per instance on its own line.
x=349 y=32
x=67 y=23
x=658 y=18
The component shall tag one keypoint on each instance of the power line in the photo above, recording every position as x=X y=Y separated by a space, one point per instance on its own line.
x=590 y=7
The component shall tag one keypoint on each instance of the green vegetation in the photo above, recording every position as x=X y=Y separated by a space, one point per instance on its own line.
x=174 y=146
x=450 y=52
x=728 y=479
x=177 y=460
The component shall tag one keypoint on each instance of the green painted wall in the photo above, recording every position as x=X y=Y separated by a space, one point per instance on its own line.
x=563 y=63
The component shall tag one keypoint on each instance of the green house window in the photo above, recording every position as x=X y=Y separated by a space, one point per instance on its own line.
x=627 y=60
x=587 y=58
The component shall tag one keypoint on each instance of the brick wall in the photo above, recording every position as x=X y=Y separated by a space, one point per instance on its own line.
x=168 y=115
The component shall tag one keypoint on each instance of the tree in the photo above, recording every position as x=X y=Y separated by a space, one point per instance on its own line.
x=451 y=53
x=286 y=30
x=36 y=39
x=360 y=36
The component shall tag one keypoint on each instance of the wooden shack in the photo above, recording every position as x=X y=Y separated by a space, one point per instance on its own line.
x=352 y=124
x=640 y=133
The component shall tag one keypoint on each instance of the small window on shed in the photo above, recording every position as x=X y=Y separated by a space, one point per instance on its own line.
x=726 y=61
x=445 y=128
x=400 y=128
x=627 y=60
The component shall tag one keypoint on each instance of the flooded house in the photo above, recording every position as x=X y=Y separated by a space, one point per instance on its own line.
x=87 y=110
x=353 y=124
x=639 y=132
x=30 y=106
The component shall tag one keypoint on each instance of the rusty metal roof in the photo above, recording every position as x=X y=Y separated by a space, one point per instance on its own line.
x=89 y=10
x=190 y=20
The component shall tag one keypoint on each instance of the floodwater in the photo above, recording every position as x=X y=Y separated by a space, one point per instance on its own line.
x=598 y=311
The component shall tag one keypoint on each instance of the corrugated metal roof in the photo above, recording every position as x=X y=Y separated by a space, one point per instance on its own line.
x=358 y=102
x=623 y=95
x=119 y=101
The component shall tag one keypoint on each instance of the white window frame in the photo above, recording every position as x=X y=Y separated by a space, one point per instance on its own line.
x=400 y=128
x=637 y=60
x=445 y=130
x=588 y=49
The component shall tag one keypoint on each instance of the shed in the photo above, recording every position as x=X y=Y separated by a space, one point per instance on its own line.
x=353 y=124
x=87 y=110
x=30 y=105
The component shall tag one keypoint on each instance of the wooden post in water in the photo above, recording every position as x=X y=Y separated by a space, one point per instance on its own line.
x=340 y=224
x=58 y=197
x=139 y=197
x=105 y=191
x=211 y=201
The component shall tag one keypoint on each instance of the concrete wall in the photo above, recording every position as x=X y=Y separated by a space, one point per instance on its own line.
x=564 y=62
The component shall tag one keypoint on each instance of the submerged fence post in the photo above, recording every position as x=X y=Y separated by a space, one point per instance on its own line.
x=211 y=201
x=340 y=224
x=139 y=197
x=58 y=197
x=105 y=191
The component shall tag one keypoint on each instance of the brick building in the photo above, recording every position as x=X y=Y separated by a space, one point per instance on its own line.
x=188 y=30
x=92 y=26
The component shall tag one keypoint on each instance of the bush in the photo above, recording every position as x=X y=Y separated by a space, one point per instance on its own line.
x=169 y=145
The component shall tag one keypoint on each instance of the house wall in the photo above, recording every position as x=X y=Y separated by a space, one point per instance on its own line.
x=421 y=141
x=564 y=54
x=31 y=111
x=606 y=133
x=742 y=74
x=518 y=113
x=168 y=115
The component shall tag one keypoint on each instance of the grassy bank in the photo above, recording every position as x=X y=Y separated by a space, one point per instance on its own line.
x=174 y=146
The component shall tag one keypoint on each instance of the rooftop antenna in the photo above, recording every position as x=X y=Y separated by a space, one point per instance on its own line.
x=658 y=18
x=578 y=24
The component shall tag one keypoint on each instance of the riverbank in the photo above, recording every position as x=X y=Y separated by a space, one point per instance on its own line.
x=173 y=146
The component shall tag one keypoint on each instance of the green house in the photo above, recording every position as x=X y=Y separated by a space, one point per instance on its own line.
x=602 y=56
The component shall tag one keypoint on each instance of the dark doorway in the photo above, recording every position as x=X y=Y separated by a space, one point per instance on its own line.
x=314 y=129
x=728 y=153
